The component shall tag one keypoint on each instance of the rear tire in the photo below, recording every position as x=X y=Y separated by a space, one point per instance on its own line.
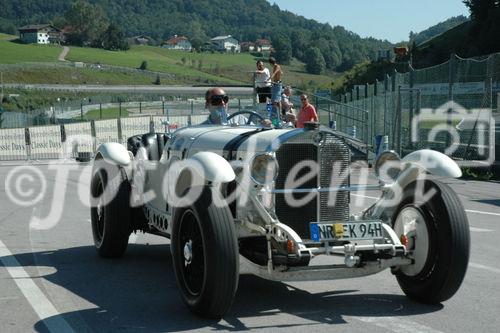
x=110 y=210
x=205 y=255
x=439 y=231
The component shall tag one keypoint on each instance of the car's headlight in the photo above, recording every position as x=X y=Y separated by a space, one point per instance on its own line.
x=264 y=168
x=387 y=167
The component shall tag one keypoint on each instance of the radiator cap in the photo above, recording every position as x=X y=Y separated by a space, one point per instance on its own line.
x=311 y=125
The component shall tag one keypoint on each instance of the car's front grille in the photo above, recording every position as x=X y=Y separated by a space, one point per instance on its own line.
x=332 y=157
x=334 y=172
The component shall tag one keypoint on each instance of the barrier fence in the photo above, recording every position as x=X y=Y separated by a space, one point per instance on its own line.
x=65 y=141
x=71 y=112
x=444 y=107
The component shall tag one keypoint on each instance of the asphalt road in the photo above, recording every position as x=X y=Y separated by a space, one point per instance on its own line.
x=53 y=281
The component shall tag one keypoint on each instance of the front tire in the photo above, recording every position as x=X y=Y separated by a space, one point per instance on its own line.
x=205 y=255
x=439 y=241
x=110 y=210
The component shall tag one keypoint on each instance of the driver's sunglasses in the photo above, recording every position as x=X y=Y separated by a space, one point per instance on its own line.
x=218 y=99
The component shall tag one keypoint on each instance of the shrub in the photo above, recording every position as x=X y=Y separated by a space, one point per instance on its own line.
x=157 y=81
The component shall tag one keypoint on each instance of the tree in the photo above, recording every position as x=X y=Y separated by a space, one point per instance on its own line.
x=7 y=27
x=315 y=63
x=299 y=43
x=196 y=34
x=480 y=9
x=114 y=39
x=144 y=65
x=58 y=21
x=283 y=48
x=88 y=22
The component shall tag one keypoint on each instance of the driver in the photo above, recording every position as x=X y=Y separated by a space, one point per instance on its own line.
x=216 y=102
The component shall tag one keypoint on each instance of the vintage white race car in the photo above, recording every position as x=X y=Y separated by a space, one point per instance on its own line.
x=250 y=200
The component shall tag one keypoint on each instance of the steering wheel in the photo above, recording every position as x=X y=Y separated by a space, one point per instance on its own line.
x=251 y=115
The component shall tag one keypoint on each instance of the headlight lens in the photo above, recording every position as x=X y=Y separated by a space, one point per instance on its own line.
x=388 y=166
x=264 y=169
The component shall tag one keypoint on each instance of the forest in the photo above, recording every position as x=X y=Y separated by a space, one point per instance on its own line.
x=321 y=46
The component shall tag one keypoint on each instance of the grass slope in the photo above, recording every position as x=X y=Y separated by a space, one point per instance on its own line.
x=187 y=68
x=437 y=50
x=13 y=53
x=61 y=75
x=7 y=37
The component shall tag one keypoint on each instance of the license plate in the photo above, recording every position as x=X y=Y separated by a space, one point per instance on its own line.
x=346 y=231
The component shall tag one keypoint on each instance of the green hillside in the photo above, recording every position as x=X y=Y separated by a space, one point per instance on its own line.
x=7 y=36
x=438 y=49
x=200 y=20
x=11 y=53
x=183 y=67
x=474 y=38
x=436 y=29
x=477 y=37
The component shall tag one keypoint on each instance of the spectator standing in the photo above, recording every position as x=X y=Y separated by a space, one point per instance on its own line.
x=276 y=85
x=262 y=82
x=286 y=103
x=307 y=112
x=287 y=111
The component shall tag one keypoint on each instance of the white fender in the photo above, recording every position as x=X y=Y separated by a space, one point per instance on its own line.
x=434 y=162
x=215 y=167
x=114 y=153
x=413 y=165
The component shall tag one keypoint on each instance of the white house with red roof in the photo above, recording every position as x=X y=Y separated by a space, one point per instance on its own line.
x=177 y=43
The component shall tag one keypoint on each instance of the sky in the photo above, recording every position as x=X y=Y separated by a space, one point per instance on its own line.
x=383 y=19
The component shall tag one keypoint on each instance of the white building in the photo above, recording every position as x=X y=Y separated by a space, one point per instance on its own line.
x=39 y=33
x=226 y=43
x=263 y=45
x=177 y=43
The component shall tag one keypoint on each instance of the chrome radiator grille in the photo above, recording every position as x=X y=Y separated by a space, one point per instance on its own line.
x=332 y=157
x=334 y=171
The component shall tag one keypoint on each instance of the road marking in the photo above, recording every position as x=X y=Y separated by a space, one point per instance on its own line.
x=397 y=324
x=486 y=268
x=467 y=210
x=480 y=212
x=480 y=229
x=37 y=299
